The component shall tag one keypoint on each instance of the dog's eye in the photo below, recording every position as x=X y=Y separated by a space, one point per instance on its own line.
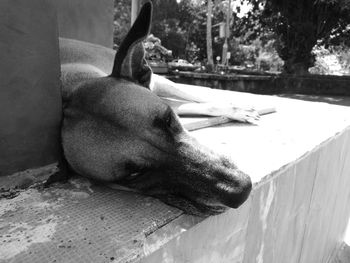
x=165 y=122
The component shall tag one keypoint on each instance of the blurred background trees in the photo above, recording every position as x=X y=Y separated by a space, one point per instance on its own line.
x=293 y=36
x=300 y=25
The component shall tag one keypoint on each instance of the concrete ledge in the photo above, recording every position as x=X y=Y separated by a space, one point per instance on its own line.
x=269 y=84
x=299 y=161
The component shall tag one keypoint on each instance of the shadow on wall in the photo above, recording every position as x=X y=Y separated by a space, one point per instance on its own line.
x=337 y=100
x=86 y=20
x=30 y=96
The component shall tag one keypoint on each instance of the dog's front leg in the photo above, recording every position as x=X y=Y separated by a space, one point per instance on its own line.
x=198 y=101
x=249 y=115
x=165 y=88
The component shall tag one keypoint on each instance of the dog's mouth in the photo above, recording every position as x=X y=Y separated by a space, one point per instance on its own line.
x=197 y=207
x=158 y=183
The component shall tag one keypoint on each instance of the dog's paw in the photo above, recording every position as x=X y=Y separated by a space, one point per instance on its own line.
x=249 y=115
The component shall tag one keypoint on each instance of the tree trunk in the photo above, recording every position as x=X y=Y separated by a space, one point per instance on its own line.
x=295 y=48
x=210 y=65
x=295 y=68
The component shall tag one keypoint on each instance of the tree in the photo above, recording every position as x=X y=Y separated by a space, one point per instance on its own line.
x=167 y=26
x=301 y=24
x=210 y=62
x=180 y=25
x=192 y=20
x=122 y=17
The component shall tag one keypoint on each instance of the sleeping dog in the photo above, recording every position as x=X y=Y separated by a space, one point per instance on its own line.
x=116 y=128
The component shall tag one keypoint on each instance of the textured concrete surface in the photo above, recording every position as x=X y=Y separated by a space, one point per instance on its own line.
x=30 y=95
x=79 y=222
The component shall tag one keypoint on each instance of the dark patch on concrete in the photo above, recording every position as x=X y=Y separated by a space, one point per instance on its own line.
x=27 y=178
x=9 y=193
x=336 y=100
x=342 y=255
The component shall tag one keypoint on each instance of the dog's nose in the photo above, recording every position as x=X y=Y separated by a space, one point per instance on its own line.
x=235 y=193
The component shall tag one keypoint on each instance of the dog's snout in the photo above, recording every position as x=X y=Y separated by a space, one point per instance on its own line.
x=235 y=193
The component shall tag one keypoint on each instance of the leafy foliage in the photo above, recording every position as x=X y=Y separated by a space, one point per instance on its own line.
x=299 y=25
x=288 y=29
x=172 y=23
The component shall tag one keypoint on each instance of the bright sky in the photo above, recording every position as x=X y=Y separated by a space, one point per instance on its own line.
x=245 y=8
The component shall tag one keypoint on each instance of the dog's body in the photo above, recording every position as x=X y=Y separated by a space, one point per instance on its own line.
x=116 y=130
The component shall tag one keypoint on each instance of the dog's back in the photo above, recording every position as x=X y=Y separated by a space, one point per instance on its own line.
x=75 y=51
x=82 y=61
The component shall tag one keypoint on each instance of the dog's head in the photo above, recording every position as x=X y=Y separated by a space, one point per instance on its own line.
x=116 y=129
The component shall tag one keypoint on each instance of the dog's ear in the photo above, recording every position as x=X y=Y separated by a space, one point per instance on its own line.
x=129 y=62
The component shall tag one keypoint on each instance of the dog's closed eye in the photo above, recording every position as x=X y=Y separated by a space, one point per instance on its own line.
x=164 y=121
x=168 y=120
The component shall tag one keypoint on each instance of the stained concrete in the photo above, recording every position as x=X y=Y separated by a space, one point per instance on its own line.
x=79 y=222
x=30 y=97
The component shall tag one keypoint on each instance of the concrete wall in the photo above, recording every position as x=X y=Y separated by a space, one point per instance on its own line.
x=299 y=216
x=30 y=98
x=269 y=84
x=299 y=161
x=86 y=20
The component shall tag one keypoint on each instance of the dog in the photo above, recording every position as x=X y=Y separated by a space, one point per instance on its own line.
x=115 y=129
